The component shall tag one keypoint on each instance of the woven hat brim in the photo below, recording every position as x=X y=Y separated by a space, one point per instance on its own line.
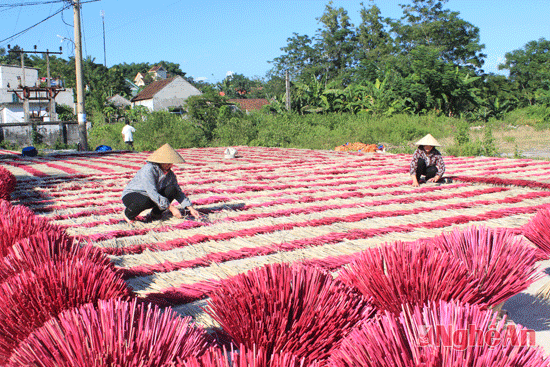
x=165 y=154
x=428 y=140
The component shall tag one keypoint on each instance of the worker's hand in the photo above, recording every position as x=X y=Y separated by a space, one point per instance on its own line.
x=194 y=212
x=415 y=182
x=434 y=179
x=175 y=211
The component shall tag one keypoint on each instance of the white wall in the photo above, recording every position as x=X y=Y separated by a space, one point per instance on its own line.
x=9 y=74
x=146 y=102
x=174 y=94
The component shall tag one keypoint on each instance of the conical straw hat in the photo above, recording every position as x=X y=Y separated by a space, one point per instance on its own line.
x=428 y=140
x=165 y=154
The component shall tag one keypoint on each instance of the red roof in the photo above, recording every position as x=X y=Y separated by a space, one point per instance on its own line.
x=250 y=104
x=149 y=91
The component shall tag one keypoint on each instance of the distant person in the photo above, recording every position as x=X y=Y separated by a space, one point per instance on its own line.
x=128 y=133
x=427 y=162
x=154 y=187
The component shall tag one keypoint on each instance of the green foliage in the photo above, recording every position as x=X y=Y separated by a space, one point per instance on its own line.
x=103 y=133
x=488 y=143
x=164 y=127
x=204 y=111
x=65 y=113
x=239 y=86
x=465 y=146
x=137 y=113
x=36 y=137
x=236 y=131
x=4 y=144
x=529 y=69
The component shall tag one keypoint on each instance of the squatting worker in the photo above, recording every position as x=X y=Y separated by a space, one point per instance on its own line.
x=427 y=161
x=155 y=187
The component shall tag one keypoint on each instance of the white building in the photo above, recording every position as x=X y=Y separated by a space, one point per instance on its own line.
x=11 y=107
x=163 y=94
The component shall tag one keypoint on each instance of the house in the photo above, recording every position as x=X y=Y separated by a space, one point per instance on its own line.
x=248 y=105
x=157 y=72
x=138 y=80
x=160 y=95
x=11 y=106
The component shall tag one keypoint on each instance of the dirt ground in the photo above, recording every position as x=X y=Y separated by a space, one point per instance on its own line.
x=519 y=141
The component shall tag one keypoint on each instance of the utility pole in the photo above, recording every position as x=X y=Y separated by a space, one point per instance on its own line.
x=21 y=53
x=104 y=47
x=80 y=111
x=26 y=96
x=23 y=83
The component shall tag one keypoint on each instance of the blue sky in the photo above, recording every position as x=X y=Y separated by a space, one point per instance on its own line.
x=210 y=38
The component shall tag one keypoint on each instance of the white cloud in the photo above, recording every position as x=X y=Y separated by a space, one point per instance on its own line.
x=201 y=79
x=229 y=73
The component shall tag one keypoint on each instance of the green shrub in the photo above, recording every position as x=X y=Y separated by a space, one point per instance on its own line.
x=235 y=131
x=103 y=133
x=163 y=127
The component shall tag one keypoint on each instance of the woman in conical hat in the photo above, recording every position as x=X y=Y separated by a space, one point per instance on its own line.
x=155 y=187
x=427 y=162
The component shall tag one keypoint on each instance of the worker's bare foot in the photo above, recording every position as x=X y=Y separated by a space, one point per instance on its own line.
x=175 y=211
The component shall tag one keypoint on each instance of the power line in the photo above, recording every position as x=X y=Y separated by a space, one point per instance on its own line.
x=31 y=27
x=12 y=5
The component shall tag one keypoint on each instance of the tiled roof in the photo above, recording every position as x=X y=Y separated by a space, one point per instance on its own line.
x=250 y=104
x=155 y=68
x=152 y=89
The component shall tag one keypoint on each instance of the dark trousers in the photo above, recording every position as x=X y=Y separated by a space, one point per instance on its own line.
x=135 y=202
x=429 y=171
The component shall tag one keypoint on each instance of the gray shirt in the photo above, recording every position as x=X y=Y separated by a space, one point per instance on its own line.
x=150 y=179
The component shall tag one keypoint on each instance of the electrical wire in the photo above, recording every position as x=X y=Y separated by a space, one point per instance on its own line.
x=31 y=27
x=12 y=5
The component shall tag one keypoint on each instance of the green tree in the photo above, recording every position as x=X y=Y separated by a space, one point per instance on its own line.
x=13 y=57
x=204 y=111
x=529 y=69
x=302 y=59
x=374 y=44
x=101 y=83
x=337 y=41
x=426 y=23
x=236 y=86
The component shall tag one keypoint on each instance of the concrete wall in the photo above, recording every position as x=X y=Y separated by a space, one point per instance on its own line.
x=22 y=135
